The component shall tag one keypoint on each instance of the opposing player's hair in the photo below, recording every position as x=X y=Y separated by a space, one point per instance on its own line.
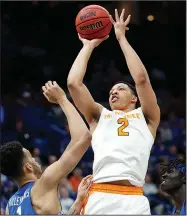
x=12 y=157
x=133 y=90
x=174 y=163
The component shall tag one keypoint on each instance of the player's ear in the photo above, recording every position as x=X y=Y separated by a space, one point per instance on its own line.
x=28 y=167
x=134 y=99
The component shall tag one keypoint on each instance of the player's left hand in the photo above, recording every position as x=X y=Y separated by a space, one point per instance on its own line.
x=84 y=188
x=52 y=92
x=120 y=26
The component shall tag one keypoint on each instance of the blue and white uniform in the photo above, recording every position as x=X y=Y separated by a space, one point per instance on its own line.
x=20 y=203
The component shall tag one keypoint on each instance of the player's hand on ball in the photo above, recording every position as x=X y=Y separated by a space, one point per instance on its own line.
x=92 y=43
x=84 y=188
x=53 y=92
x=120 y=26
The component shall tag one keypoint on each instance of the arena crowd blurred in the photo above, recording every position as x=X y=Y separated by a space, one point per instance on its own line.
x=39 y=43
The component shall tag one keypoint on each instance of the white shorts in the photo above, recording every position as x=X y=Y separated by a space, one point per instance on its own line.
x=114 y=204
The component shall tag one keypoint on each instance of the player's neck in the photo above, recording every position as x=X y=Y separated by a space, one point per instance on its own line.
x=179 y=196
x=22 y=181
x=129 y=108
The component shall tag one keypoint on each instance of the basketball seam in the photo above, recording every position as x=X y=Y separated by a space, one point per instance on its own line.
x=91 y=8
x=97 y=31
x=90 y=20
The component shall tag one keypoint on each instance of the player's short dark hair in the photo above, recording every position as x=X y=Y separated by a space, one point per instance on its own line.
x=133 y=90
x=174 y=163
x=12 y=157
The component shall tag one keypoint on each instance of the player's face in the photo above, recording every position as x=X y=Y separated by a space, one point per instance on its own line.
x=172 y=180
x=34 y=166
x=120 y=97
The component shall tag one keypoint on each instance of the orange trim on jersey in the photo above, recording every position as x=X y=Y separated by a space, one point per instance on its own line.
x=117 y=189
x=113 y=189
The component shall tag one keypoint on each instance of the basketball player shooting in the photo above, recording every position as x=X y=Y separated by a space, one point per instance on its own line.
x=121 y=138
x=38 y=193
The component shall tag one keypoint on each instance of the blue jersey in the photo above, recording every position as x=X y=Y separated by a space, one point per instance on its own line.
x=182 y=211
x=20 y=203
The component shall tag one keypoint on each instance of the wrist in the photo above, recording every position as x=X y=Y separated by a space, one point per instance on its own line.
x=121 y=37
x=62 y=99
x=89 y=46
x=78 y=203
x=80 y=200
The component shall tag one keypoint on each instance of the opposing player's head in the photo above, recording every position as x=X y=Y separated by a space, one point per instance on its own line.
x=123 y=96
x=17 y=163
x=173 y=176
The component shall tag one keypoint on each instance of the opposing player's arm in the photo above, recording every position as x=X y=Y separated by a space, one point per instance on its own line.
x=137 y=70
x=79 y=92
x=80 y=141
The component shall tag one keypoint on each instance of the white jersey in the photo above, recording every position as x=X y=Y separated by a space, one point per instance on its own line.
x=121 y=143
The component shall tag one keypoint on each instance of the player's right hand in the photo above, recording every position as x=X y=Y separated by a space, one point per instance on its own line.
x=92 y=43
x=52 y=92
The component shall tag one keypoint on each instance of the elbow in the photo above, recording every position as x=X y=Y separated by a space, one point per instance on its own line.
x=72 y=83
x=141 y=79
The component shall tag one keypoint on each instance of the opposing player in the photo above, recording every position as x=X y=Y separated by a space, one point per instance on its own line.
x=174 y=184
x=121 y=138
x=38 y=193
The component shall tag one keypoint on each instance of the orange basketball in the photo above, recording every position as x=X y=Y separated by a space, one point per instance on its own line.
x=93 y=22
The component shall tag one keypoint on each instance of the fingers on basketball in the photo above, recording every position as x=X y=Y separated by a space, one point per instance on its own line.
x=112 y=20
x=105 y=38
x=80 y=38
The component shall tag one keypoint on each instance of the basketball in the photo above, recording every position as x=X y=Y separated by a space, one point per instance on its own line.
x=93 y=22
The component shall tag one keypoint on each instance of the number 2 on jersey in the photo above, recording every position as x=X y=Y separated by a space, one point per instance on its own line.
x=122 y=127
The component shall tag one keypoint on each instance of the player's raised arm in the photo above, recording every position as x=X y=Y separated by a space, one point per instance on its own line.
x=145 y=92
x=79 y=92
x=80 y=140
